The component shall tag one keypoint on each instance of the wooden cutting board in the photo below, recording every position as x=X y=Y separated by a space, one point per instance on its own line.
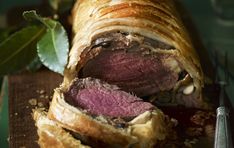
x=26 y=91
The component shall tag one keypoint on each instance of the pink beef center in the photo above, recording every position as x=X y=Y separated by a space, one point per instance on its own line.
x=132 y=71
x=113 y=103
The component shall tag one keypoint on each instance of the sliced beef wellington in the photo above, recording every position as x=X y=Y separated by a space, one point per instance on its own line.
x=141 y=46
x=106 y=114
x=51 y=134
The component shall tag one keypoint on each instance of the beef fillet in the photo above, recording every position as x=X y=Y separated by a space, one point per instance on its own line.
x=99 y=98
x=141 y=46
x=128 y=62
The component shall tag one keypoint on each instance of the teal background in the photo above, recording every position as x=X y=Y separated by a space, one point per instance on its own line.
x=215 y=34
x=7 y=4
x=4 y=117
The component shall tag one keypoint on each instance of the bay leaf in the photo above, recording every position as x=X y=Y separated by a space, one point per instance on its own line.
x=18 y=50
x=32 y=16
x=4 y=33
x=53 y=47
x=34 y=65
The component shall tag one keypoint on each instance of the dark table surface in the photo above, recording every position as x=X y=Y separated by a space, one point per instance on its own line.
x=22 y=89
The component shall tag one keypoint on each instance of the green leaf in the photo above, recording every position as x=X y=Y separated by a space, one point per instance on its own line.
x=34 y=65
x=4 y=33
x=32 y=15
x=53 y=48
x=17 y=51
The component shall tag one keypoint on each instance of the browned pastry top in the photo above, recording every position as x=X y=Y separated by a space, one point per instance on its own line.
x=157 y=20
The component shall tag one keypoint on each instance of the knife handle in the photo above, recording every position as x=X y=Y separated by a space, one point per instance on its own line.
x=223 y=138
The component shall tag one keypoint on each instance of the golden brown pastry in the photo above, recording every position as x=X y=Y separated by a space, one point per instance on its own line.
x=120 y=48
x=121 y=121
x=51 y=135
x=140 y=46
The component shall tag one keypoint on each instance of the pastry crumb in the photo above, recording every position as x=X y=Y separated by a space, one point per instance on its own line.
x=42 y=96
x=33 y=102
x=40 y=104
x=41 y=108
x=42 y=91
x=189 y=143
x=174 y=121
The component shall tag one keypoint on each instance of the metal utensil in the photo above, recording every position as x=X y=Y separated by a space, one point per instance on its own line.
x=223 y=138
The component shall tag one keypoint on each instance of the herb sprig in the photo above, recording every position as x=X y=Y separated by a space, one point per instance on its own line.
x=43 y=41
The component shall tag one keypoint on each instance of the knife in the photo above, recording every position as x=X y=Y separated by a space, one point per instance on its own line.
x=223 y=137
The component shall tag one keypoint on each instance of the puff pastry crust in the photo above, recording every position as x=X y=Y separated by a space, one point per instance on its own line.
x=157 y=20
x=145 y=130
